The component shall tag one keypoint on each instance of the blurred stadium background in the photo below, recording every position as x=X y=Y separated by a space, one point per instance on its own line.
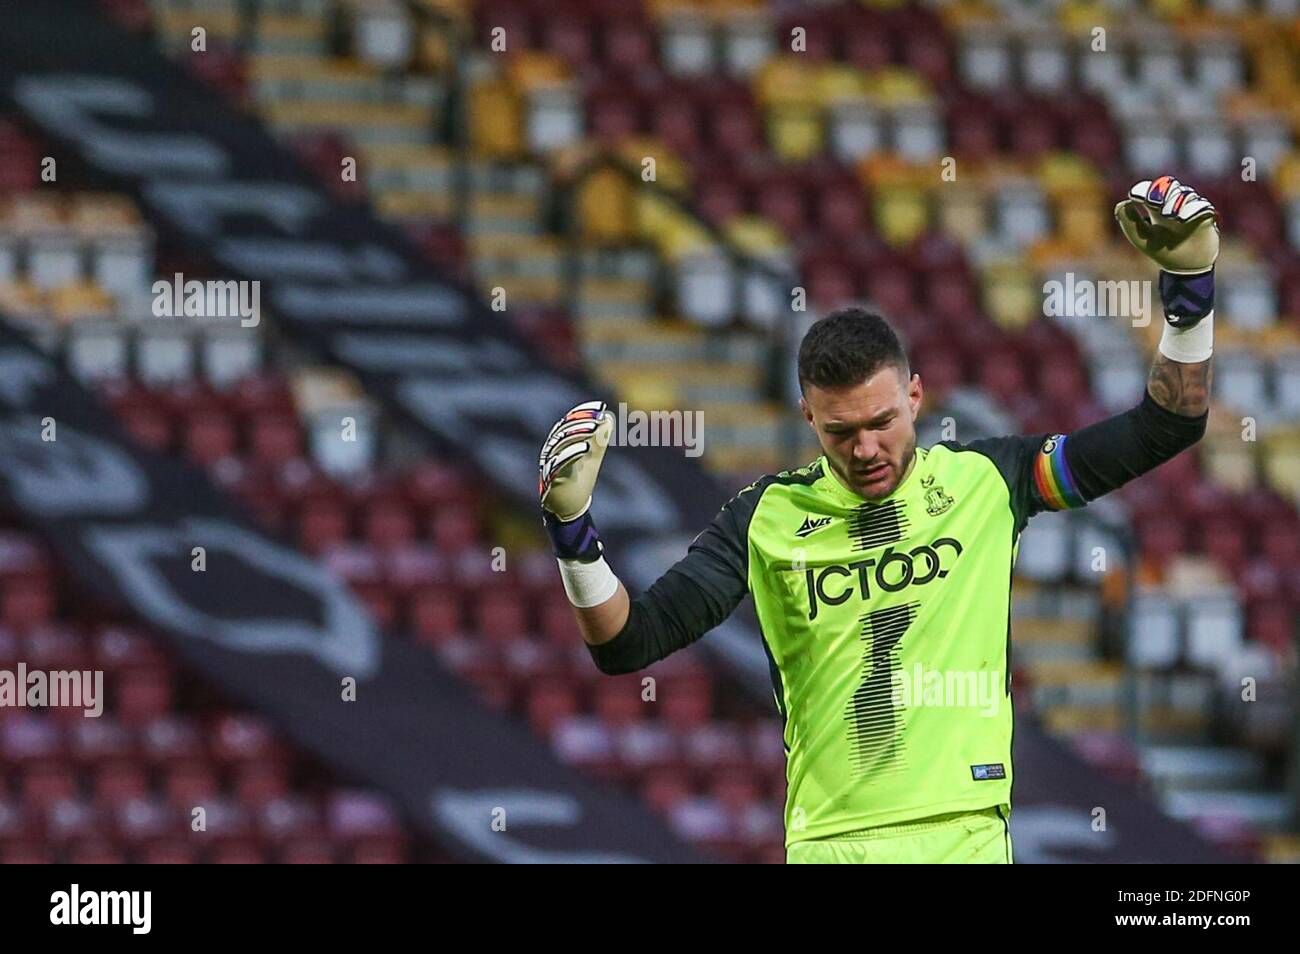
x=643 y=184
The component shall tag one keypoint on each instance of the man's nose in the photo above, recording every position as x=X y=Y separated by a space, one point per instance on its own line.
x=867 y=448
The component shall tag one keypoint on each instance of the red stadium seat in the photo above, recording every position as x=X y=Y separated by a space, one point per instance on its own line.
x=308 y=852
x=238 y=738
x=664 y=790
x=866 y=40
x=209 y=437
x=735 y=791
x=387 y=524
x=567 y=32
x=557 y=623
x=380 y=851
x=613 y=115
x=259 y=784
x=675 y=121
x=687 y=703
x=629 y=43
x=45 y=783
x=26 y=601
x=150 y=426
x=550 y=702
x=435 y=616
x=454 y=530
x=169 y=853
x=923 y=40
x=322 y=523
x=142 y=696
x=274 y=438
x=240 y=853
x=619 y=701
x=117 y=782
x=190 y=784
x=501 y=617
x=95 y=853
x=820 y=29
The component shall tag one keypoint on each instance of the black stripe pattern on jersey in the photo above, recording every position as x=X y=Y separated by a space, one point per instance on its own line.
x=875 y=722
x=877 y=525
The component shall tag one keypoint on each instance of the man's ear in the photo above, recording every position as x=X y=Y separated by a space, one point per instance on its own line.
x=915 y=393
x=807 y=412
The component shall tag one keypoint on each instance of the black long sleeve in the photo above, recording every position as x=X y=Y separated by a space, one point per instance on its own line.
x=1106 y=455
x=1099 y=458
x=694 y=595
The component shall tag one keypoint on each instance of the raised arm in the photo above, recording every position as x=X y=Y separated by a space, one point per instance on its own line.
x=1178 y=229
x=693 y=596
x=566 y=476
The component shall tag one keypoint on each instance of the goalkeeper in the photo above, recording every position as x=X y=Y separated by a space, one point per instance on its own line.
x=882 y=564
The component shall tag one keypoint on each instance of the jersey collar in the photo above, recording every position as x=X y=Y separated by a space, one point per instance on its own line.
x=853 y=499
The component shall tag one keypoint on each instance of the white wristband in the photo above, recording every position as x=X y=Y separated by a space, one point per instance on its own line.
x=1189 y=345
x=587 y=584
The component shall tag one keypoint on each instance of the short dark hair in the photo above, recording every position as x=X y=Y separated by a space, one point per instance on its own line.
x=848 y=346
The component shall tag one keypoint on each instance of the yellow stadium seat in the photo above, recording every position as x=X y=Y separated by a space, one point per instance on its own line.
x=1287 y=177
x=896 y=86
x=433 y=51
x=886 y=170
x=755 y=235
x=1171 y=9
x=670 y=172
x=22 y=300
x=496 y=121
x=1064 y=174
x=530 y=70
x=34 y=212
x=414 y=204
x=604 y=207
x=1081 y=17
x=787 y=81
x=1083 y=224
x=901 y=214
x=962 y=213
x=1012 y=298
x=80 y=301
x=1281 y=452
x=837 y=83
x=661 y=222
x=795 y=133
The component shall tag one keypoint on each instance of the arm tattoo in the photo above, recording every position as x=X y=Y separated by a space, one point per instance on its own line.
x=1181 y=388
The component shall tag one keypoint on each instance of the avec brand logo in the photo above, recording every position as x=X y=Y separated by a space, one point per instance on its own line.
x=811 y=526
x=895 y=570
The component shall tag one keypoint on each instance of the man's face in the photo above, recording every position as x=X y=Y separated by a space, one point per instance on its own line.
x=867 y=431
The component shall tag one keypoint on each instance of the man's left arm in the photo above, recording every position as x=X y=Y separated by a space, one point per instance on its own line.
x=1178 y=230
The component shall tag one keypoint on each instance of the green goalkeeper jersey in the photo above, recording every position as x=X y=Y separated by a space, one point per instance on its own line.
x=887 y=622
x=887 y=626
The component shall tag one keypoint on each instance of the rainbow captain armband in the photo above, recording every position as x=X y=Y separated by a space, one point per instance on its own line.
x=1052 y=476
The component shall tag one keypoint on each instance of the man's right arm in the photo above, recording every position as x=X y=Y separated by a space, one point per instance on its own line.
x=694 y=595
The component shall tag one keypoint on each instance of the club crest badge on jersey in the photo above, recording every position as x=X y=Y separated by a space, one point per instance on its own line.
x=936 y=501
